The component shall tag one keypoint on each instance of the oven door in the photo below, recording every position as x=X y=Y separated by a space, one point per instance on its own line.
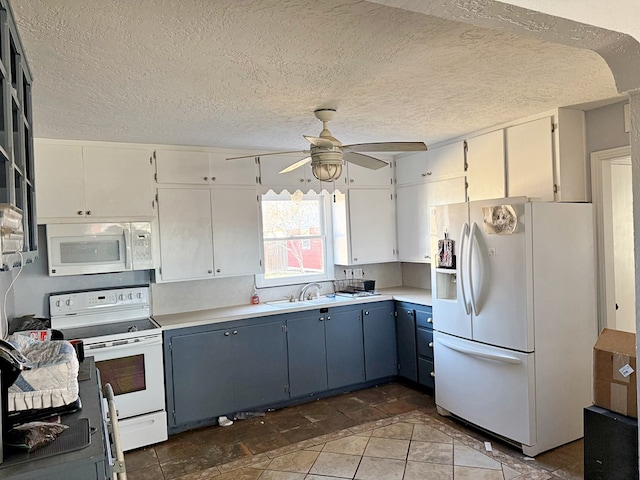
x=76 y=249
x=135 y=371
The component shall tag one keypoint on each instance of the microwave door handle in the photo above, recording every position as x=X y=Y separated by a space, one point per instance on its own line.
x=127 y=247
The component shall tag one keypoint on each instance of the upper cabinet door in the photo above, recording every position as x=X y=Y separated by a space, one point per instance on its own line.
x=485 y=166
x=59 y=181
x=372 y=225
x=242 y=171
x=271 y=165
x=357 y=176
x=236 y=231
x=184 y=215
x=411 y=168
x=412 y=211
x=447 y=160
x=118 y=182
x=530 y=160
x=181 y=166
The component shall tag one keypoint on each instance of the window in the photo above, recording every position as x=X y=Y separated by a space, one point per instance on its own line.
x=296 y=241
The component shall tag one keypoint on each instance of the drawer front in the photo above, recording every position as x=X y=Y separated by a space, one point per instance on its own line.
x=425 y=367
x=425 y=342
x=424 y=318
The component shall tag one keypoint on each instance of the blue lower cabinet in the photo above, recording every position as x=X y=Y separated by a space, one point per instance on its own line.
x=406 y=341
x=219 y=372
x=379 y=330
x=345 y=350
x=307 y=354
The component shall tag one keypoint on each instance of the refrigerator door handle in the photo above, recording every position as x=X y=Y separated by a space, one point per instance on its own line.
x=464 y=235
x=479 y=353
x=472 y=294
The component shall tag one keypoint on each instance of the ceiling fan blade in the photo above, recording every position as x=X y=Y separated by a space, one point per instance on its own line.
x=364 y=160
x=386 y=147
x=319 y=141
x=266 y=154
x=298 y=164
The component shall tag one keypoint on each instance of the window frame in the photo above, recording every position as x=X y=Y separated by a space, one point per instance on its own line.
x=326 y=225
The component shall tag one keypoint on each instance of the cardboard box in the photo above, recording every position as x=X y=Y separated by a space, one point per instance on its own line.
x=614 y=372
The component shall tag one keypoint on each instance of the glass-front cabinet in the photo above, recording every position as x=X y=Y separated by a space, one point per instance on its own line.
x=17 y=186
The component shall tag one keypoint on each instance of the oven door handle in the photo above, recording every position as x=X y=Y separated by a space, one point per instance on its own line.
x=143 y=342
x=127 y=248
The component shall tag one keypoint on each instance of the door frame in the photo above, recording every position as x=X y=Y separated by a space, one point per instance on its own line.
x=601 y=162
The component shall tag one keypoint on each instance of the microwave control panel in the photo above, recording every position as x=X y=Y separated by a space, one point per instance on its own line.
x=141 y=247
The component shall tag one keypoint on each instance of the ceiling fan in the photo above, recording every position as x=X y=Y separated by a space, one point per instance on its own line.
x=327 y=154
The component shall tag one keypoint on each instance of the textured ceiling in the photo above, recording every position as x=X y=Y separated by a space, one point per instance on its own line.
x=240 y=73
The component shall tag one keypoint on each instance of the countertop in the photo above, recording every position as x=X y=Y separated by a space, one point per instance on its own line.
x=240 y=312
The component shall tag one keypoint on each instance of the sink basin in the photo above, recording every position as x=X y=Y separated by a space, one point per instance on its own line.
x=324 y=300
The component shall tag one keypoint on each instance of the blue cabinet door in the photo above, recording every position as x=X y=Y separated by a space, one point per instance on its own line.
x=345 y=350
x=202 y=369
x=260 y=365
x=307 y=354
x=379 y=328
x=406 y=331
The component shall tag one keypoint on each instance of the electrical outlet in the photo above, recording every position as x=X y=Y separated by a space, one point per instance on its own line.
x=348 y=273
x=357 y=273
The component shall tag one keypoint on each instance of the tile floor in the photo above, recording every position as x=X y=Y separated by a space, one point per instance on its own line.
x=386 y=432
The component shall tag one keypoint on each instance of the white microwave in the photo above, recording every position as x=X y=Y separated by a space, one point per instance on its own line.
x=77 y=249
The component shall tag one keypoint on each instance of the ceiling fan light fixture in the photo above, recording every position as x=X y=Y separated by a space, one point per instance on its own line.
x=327 y=172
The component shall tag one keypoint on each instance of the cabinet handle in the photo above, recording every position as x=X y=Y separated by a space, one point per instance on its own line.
x=355 y=259
x=206 y=178
x=235 y=332
x=302 y=180
x=366 y=312
x=209 y=271
x=328 y=317
x=308 y=180
x=80 y=212
x=321 y=319
x=213 y=179
x=428 y=174
x=217 y=270
x=430 y=344
x=226 y=334
x=433 y=374
x=351 y=180
x=410 y=312
x=429 y=320
x=88 y=212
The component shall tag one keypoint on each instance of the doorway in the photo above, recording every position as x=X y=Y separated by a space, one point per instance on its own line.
x=612 y=197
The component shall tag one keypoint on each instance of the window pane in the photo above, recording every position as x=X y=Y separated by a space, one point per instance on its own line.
x=294 y=237
x=291 y=258
x=288 y=218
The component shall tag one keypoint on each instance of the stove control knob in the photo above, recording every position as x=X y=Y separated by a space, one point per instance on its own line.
x=131 y=296
x=68 y=303
x=121 y=296
x=139 y=295
x=58 y=303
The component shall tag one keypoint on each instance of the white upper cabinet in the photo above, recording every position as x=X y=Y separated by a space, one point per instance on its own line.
x=411 y=168
x=208 y=232
x=364 y=226
x=81 y=182
x=204 y=168
x=356 y=176
x=446 y=161
x=186 y=236
x=435 y=163
x=301 y=178
x=546 y=158
x=413 y=204
x=486 y=166
x=59 y=181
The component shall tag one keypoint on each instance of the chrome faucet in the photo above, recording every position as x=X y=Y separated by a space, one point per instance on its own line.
x=307 y=287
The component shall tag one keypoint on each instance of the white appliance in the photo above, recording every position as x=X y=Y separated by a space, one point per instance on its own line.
x=126 y=345
x=76 y=249
x=515 y=318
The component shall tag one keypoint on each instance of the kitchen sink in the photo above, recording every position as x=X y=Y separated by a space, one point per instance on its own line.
x=324 y=300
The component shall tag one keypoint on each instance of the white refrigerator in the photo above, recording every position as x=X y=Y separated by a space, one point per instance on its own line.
x=515 y=318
